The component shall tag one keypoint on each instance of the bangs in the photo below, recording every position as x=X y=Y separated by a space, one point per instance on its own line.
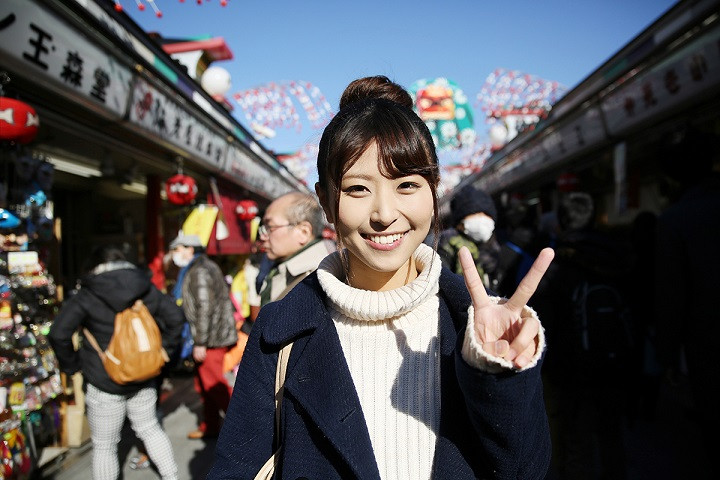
x=402 y=151
x=405 y=147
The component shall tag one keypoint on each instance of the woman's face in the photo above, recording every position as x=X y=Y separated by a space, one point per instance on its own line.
x=381 y=222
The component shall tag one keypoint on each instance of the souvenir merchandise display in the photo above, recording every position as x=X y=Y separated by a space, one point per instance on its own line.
x=29 y=376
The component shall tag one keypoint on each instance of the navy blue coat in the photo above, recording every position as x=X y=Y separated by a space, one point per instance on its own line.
x=491 y=426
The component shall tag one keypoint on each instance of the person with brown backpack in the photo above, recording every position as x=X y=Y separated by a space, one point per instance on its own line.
x=115 y=291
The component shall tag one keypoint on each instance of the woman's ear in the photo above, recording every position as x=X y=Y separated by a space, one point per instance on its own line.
x=322 y=198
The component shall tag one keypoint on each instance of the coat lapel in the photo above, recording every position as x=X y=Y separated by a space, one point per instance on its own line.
x=319 y=379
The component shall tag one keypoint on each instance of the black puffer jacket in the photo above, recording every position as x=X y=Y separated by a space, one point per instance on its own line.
x=94 y=307
x=207 y=304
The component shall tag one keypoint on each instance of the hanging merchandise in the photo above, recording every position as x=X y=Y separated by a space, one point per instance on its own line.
x=221 y=228
x=29 y=186
x=181 y=189
x=8 y=220
x=29 y=373
x=200 y=222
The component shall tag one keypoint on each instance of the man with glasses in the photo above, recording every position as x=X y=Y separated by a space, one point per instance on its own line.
x=291 y=234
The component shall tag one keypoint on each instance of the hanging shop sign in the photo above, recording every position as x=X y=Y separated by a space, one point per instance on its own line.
x=255 y=176
x=157 y=113
x=570 y=137
x=201 y=222
x=684 y=75
x=18 y=121
x=40 y=42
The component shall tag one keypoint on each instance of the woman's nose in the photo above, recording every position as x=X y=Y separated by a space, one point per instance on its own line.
x=384 y=211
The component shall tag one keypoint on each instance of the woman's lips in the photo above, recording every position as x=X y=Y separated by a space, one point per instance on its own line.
x=385 y=241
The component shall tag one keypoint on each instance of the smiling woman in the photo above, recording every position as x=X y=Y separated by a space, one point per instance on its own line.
x=380 y=222
x=398 y=369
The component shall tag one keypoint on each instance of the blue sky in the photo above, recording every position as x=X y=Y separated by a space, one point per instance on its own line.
x=329 y=43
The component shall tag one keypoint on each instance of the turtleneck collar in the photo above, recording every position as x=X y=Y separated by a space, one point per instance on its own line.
x=373 y=306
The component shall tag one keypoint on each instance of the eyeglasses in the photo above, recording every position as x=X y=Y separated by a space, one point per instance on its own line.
x=265 y=230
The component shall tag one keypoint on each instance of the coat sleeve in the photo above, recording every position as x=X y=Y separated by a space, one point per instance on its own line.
x=169 y=317
x=64 y=325
x=508 y=413
x=246 y=439
x=202 y=306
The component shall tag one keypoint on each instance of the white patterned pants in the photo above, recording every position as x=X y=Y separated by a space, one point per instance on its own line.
x=106 y=414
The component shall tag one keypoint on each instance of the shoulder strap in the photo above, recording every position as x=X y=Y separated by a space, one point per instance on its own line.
x=91 y=339
x=291 y=285
x=280 y=372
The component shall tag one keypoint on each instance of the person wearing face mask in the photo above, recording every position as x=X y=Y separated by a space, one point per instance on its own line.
x=205 y=298
x=473 y=216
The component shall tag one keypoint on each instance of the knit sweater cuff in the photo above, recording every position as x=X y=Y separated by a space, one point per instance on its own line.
x=475 y=356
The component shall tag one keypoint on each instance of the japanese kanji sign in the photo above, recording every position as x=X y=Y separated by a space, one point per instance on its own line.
x=40 y=42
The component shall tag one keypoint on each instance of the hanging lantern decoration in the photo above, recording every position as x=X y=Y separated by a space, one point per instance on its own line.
x=246 y=209
x=18 y=121
x=181 y=189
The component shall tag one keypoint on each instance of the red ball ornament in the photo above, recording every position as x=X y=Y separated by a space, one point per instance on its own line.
x=18 y=121
x=181 y=189
x=568 y=182
x=246 y=209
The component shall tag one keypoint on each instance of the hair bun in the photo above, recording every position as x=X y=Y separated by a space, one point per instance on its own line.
x=378 y=86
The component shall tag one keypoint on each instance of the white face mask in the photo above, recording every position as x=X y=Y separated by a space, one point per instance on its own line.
x=179 y=260
x=479 y=229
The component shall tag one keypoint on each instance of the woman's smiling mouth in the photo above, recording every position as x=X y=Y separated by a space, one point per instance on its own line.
x=384 y=242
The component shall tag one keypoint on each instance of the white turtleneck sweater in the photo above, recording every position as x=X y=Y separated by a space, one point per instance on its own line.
x=390 y=342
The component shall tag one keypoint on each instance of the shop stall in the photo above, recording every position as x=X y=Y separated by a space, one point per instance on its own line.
x=610 y=134
x=104 y=139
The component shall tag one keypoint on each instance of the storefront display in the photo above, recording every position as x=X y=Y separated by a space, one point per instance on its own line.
x=30 y=382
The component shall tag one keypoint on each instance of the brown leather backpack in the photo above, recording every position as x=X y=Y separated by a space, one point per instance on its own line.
x=135 y=351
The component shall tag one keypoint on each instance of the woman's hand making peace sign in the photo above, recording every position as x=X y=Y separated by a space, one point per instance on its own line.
x=499 y=328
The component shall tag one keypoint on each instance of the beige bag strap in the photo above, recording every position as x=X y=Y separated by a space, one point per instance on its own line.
x=280 y=372
x=90 y=338
x=292 y=284
x=267 y=471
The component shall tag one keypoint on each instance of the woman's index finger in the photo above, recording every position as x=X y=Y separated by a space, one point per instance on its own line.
x=529 y=283
x=472 y=279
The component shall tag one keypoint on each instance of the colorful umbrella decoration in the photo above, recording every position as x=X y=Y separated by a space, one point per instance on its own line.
x=301 y=162
x=444 y=108
x=514 y=92
x=514 y=101
x=271 y=106
x=158 y=13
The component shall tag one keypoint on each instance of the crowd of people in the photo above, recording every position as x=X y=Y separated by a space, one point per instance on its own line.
x=414 y=351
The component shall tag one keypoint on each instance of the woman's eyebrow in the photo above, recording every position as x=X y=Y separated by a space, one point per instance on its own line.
x=357 y=176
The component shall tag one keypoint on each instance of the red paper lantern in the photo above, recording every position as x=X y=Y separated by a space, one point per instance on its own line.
x=246 y=209
x=18 y=121
x=181 y=189
x=568 y=182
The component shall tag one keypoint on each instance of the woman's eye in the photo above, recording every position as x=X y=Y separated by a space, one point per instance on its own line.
x=354 y=189
x=408 y=186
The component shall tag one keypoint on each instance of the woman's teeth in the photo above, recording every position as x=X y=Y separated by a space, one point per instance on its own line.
x=385 y=239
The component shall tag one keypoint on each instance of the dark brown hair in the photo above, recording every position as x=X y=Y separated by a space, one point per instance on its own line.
x=378 y=86
x=370 y=113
